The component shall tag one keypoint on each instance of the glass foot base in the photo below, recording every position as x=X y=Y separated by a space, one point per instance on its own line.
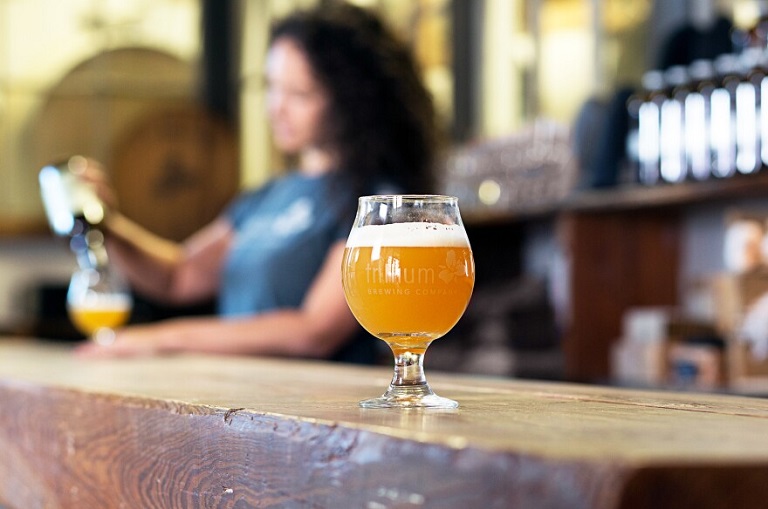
x=399 y=397
x=104 y=336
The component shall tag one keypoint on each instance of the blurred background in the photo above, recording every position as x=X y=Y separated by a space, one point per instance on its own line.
x=574 y=255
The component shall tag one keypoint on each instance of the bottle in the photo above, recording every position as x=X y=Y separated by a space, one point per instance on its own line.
x=722 y=132
x=70 y=204
x=73 y=210
x=762 y=112
x=697 y=119
x=673 y=166
x=631 y=143
x=747 y=116
x=648 y=123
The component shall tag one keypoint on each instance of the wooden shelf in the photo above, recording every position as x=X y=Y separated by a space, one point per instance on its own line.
x=668 y=195
x=632 y=197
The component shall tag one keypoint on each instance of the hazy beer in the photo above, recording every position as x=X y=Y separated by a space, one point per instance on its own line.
x=408 y=283
x=89 y=319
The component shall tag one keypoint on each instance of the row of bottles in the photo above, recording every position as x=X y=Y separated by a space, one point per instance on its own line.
x=701 y=121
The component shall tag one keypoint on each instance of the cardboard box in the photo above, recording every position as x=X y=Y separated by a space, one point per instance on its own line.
x=735 y=293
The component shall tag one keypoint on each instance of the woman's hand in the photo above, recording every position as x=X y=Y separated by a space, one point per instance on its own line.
x=132 y=341
x=92 y=172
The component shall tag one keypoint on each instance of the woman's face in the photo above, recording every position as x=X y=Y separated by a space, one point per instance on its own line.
x=296 y=102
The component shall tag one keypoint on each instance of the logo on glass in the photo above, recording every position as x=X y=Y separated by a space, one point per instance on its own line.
x=453 y=267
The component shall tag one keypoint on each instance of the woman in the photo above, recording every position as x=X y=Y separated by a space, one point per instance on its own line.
x=346 y=103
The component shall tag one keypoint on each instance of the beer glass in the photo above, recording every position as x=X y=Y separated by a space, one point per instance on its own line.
x=408 y=274
x=98 y=301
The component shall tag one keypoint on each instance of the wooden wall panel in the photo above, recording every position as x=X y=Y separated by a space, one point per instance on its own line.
x=618 y=260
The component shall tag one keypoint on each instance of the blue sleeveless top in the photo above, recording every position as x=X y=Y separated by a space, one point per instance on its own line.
x=282 y=234
x=283 y=231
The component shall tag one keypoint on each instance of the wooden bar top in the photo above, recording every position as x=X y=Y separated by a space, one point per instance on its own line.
x=223 y=432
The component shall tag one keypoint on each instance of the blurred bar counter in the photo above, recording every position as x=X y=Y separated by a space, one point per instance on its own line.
x=201 y=431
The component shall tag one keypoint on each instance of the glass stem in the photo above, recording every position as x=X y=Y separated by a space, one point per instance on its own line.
x=409 y=387
x=409 y=370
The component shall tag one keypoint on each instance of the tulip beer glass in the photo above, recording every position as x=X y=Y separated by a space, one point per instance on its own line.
x=408 y=274
x=97 y=302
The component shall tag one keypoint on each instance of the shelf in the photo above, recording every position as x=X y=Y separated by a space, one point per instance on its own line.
x=669 y=195
x=633 y=197
x=490 y=216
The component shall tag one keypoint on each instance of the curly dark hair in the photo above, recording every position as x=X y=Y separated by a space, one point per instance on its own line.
x=381 y=117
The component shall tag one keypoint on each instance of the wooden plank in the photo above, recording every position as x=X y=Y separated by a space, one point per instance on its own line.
x=196 y=431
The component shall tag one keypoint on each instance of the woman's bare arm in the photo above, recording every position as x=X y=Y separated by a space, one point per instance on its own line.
x=168 y=271
x=174 y=273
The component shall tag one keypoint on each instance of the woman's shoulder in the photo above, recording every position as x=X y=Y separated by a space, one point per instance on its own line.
x=246 y=200
x=278 y=191
x=274 y=183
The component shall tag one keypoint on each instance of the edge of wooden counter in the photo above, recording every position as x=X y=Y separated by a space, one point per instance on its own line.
x=63 y=447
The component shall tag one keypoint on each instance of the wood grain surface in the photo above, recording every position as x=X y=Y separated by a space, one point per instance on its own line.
x=219 y=432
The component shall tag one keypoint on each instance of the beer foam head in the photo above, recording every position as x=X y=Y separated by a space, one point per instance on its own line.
x=409 y=235
x=104 y=302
